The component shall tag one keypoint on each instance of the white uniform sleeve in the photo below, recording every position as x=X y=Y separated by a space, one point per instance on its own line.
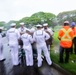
x=51 y=32
x=21 y=36
x=47 y=36
x=18 y=34
x=19 y=30
x=7 y=35
x=30 y=39
x=34 y=39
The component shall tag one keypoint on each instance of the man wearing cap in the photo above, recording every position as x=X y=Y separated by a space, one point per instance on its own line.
x=13 y=36
x=73 y=26
x=1 y=47
x=50 y=32
x=65 y=36
x=40 y=37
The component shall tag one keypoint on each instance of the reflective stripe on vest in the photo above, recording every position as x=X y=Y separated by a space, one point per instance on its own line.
x=66 y=34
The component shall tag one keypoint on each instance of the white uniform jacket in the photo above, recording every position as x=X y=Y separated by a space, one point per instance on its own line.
x=13 y=35
x=27 y=40
x=40 y=37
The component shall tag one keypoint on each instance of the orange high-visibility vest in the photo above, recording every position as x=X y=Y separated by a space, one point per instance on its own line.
x=66 y=36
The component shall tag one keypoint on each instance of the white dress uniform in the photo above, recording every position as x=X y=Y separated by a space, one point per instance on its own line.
x=27 y=40
x=40 y=37
x=49 y=30
x=1 y=49
x=51 y=33
x=13 y=35
x=22 y=29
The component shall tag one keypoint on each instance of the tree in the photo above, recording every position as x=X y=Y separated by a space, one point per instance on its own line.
x=2 y=23
x=67 y=15
x=38 y=18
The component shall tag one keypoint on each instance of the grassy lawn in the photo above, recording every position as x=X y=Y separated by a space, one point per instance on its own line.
x=71 y=66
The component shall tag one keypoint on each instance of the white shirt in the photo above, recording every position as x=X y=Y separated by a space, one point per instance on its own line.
x=13 y=35
x=40 y=37
x=49 y=30
x=0 y=38
x=22 y=29
x=27 y=39
x=32 y=30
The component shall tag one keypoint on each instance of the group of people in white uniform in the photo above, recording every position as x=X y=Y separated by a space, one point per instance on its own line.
x=29 y=37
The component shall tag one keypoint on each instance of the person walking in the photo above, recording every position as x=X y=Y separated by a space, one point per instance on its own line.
x=13 y=36
x=73 y=26
x=65 y=36
x=1 y=46
x=40 y=37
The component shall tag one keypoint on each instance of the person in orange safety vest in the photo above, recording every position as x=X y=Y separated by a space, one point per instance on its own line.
x=73 y=26
x=65 y=36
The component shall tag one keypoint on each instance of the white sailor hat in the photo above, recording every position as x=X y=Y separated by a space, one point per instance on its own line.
x=38 y=25
x=66 y=22
x=22 y=23
x=46 y=24
x=13 y=24
x=32 y=30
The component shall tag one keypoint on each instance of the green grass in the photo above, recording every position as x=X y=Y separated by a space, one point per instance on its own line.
x=71 y=67
x=56 y=41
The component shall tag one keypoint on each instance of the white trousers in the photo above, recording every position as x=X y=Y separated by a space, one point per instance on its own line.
x=1 y=52
x=48 y=46
x=46 y=54
x=28 y=56
x=14 y=54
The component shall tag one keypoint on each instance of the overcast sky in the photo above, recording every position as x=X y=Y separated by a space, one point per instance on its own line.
x=17 y=9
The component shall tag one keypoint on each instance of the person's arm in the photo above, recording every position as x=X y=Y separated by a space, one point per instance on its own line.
x=50 y=32
x=7 y=35
x=47 y=36
x=30 y=39
x=34 y=37
x=18 y=34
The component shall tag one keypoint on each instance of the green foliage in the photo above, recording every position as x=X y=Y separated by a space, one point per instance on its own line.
x=56 y=41
x=45 y=17
x=67 y=15
x=38 y=18
x=2 y=23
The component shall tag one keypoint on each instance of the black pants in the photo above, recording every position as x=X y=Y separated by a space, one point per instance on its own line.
x=61 y=55
x=73 y=46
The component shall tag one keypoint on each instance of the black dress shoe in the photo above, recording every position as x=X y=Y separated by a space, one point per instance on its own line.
x=2 y=60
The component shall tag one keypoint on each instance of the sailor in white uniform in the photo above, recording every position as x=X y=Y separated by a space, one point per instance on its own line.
x=1 y=47
x=40 y=37
x=13 y=36
x=27 y=41
x=22 y=28
x=50 y=32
